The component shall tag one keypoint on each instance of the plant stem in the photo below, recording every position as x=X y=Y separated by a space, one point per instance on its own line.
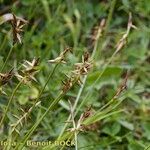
x=76 y=141
x=109 y=18
x=49 y=77
x=41 y=92
x=79 y=92
x=11 y=49
x=74 y=106
x=38 y=122
x=147 y=148
x=74 y=126
x=50 y=108
x=100 y=75
x=10 y=100
x=3 y=43
x=93 y=55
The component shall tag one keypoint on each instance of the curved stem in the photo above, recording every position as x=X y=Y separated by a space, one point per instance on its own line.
x=41 y=92
x=93 y=55
x=3 y=43
x=74 y=106
x=98 y=78
x=49 y=77
x=39 y=96
x=50 y=108
x=109 y=18
x=9 y=102
x=38 y=122
x=11 y=49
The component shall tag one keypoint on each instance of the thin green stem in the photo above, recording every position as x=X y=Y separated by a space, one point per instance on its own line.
x=3 y=43
x=147 y=148
x=47 y=10
x=50 y=108
x=71 y=135
x=109 y=18
x=38 y=122
x=93 y=55
x=49 y=77
x=41 y=92
x=74 y=126
x=79 y=92
x=10 y=100
x=76 y=140
x=74 y=106
x=107 y=104
x=8 y=56
x=98 y=78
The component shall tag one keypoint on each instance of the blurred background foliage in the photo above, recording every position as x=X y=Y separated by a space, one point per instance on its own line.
x=55 y=24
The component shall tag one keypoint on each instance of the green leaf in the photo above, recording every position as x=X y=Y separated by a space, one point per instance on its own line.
x=126 y=124
x=33 y=93
x=134 y=97
x=100 y=116
x=146 y=127
x=23 y=99
x=112 y=128
x=109 y=72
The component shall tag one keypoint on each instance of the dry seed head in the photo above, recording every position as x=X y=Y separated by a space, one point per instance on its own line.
x=24 y=79
x=67 y=85
x=80 y=69
x=57 y=60
x=123 y=40
x=30 y=69
x=66 y=50
x=80 y=127
x=61 y=57
x=84 y=67
x=123 y=86
x=17 y=29
x=87 y=113
x=79 y=82
x=97 y=31
x=9 y=17
x=4 y=78
x=85 y=57
x=22 y=118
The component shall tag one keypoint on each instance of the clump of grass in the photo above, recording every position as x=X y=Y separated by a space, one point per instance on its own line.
x=17 y=25
x=80 y=69
x=99 y=115
x=28 y=75
x=30 y=70
x=83 y=120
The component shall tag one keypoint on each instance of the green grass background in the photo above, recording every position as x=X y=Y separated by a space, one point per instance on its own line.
x=55 y=24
